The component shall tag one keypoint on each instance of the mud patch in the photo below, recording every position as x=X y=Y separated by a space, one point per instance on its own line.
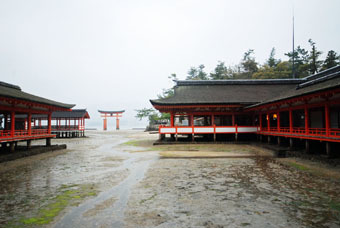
x=249 y=192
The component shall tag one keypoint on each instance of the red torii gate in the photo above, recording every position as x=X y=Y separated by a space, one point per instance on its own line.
x=106 y=114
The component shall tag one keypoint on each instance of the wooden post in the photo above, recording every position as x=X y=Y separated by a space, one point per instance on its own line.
x=29 y=144
x=12 y=146
x=307 y=146
x=328 y=149
x=48 y=142
x=291 y=143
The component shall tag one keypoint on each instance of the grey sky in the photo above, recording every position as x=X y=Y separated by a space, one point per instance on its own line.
x=117 y=54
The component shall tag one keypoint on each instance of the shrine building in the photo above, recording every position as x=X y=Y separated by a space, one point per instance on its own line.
x=307 y=109
x=65 y=124
x=15 y=102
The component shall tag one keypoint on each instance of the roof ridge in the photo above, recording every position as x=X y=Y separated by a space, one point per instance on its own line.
x=241 y=82
x=318 y=80
x=8 y=85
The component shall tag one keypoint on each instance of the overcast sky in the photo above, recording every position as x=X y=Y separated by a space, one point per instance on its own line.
x=117 y=54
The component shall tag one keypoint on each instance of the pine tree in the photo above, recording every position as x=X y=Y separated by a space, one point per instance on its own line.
x=332 y=59
x=314 y=62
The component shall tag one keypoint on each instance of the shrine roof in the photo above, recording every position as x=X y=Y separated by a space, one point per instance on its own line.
x=222 y=92
x=74 y=113
x=249 y=93
x=14 y=91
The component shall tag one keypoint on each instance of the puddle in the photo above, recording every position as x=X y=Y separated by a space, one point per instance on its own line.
x=112 y=216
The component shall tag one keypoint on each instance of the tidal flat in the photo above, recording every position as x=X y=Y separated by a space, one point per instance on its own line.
x=119 y=179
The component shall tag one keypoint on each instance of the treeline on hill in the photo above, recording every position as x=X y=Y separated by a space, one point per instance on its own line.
x=306 y=62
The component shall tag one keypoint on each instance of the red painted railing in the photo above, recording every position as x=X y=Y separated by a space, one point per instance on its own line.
x=5 y=133
x=206 y=129
x=298 y=132
x=35 y=133
x=311 y=133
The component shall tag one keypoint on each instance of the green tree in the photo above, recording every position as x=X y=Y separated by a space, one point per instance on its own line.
x=301 y=61
x=272 y=62
x=197 y=73
x=248 y=65
x=282 y=70
x=221 y=72
x=332 y=60
x=152 y=115
x=314 y=62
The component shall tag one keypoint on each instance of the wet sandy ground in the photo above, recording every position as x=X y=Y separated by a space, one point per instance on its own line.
x=126 y=186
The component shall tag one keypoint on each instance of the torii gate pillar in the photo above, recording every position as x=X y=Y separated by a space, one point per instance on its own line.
x=117 y=123
x=105 y=124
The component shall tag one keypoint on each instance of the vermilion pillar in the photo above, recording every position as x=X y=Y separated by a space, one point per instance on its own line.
x=260 y=120
x=306 y=120
x=117 y=123
x=327 y=119
x=105 y=124
x=171 y=119
x=290 y=121
x=278 y=122
x=12 y=123
x=29 y=120
x=268 y=121
x=49 y=123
